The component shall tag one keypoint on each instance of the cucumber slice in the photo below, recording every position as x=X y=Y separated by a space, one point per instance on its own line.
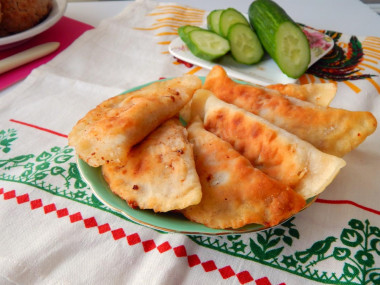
x=245 y=45
x=230 y=17
x=281 y=37
x=184 y=31
x=213 y=21
x=207 y=45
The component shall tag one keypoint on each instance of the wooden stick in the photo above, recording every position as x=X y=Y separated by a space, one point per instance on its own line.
x=27 y=56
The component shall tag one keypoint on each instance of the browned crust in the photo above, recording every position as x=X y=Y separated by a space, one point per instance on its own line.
x=334 y=131
x=234 y=192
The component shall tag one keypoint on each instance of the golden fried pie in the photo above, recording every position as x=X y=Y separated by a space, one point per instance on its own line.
x=159 y=173
x=108 y=132
x=234 y=192
x=317 y=93
x=278 y=153
x=334 y=131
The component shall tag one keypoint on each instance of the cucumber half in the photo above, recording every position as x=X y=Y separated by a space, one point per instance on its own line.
x=281 y=37
x=292 y=52
x=245 y=45
x=207 y=45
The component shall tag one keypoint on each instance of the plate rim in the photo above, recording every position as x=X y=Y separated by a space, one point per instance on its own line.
x=82 y=165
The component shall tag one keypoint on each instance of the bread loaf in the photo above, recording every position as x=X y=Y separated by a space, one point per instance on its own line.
x=20 y=15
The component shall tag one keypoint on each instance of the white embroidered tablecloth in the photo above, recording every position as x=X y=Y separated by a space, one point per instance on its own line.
x=55 y=231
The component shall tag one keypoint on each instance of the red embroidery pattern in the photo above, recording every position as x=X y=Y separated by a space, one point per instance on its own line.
x=38 y=128
x=347 y=202
x=226 y=272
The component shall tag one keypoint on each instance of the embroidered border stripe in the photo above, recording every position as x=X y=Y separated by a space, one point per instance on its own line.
x=225 y=272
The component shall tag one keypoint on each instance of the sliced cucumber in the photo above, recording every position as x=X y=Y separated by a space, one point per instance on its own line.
x=228 y=18
x=281 y=37
x=207 y=45
x=213 y=21
x=245 y=45
x=184 y=31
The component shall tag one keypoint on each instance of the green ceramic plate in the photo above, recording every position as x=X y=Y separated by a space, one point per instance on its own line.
x=167 y=222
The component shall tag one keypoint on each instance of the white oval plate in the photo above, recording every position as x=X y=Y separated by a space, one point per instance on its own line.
x=58 y=9
x=265 y=72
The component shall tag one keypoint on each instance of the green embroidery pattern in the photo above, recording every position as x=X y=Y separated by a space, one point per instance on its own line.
x=357 y=249
x=58 y=162
x=6 y=138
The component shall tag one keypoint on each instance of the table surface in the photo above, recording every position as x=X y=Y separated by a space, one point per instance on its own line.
x=346 y=16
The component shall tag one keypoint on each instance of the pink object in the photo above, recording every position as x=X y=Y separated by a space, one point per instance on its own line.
x=65 y=31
